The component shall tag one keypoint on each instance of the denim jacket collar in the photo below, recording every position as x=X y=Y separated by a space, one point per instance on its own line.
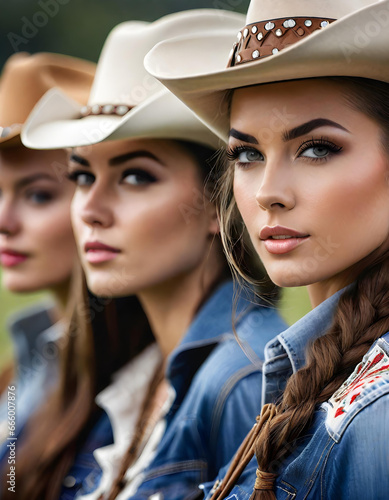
x=285 y=354
x=294 y=340
x=33 y=335
x=212 y=325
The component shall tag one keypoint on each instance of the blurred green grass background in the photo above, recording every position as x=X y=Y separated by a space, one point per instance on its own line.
x=294 y=304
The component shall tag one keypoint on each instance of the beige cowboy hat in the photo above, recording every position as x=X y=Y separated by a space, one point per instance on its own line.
x=26 y=78
x=282 y=40
x=125 y=101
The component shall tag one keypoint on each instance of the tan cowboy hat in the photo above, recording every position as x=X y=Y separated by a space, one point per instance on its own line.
x=125 y=101
x=26 y=78
x=282 y=40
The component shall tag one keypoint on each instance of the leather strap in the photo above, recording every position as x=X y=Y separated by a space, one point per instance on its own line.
x=267 y=38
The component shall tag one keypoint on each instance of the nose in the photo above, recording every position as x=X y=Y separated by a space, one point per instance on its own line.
x=10 y=223
x=94 y=207
x=275 y=191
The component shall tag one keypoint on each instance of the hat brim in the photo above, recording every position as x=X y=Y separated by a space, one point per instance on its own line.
x=12 y=139
x=55 y=123
x=356 y=46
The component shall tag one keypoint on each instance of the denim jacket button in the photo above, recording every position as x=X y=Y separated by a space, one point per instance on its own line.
x=69 y=481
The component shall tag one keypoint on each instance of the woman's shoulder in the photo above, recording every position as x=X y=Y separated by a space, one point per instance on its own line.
x=367 y=387
x=357 y=422
x=33 y=318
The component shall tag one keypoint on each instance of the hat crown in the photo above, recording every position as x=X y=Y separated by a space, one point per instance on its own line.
x=26 y=78
x=121 y=77
x=261 y=10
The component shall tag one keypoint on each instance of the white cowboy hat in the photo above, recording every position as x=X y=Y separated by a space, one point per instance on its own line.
x=282 y=40
x=125 y=101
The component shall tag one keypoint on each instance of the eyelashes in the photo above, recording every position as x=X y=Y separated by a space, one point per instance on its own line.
x=322 y=150
x=80 y=177
x=132 y=177
x=322 y=143
x=232 y=154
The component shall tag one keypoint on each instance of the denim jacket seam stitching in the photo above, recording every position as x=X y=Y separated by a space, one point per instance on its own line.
x=173 y=468
x=312 y=479
x=291 y=490
x=315 y=473
x=222 y=399
x=322 y=480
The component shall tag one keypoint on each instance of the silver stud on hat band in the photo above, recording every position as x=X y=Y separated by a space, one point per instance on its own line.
x=267 y=38
x=105 y=109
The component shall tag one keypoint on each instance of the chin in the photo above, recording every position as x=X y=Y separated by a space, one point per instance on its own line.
x=290 y=278
x=107 y=288
x=16 y=286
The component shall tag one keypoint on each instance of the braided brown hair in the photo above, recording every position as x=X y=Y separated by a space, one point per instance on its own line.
x=362 y=316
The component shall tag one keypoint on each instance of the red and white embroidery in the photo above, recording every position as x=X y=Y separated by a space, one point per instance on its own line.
x=373 y=367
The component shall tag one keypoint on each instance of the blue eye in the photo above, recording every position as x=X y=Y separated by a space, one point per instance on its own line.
x=243 y=154
x=138 y=177
x=320 y=149
x=316 y=152
x=81 y=178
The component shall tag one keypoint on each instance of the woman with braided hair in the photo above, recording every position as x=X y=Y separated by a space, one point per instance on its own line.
x=304 y=103
x=145 y=227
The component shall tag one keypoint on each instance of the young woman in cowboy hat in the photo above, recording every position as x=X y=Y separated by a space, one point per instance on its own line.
x=38 y=252
x=37 y=249
x=145 y=227
x=304 y=104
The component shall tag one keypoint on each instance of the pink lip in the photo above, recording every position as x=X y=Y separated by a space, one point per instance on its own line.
x=10 y=258
x=278 y=247
x=97 y=252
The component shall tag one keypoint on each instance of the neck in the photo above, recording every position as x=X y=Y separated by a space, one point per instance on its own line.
x=323 y=290
x=60 y=294
x=171 y=307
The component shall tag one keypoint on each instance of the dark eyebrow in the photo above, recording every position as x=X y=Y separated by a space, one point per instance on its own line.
x=117 y=160
x=79 y=159
x=305 y=128
x=242 y=137
x=33 y=178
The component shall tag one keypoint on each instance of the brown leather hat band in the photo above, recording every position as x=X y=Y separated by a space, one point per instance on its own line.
x=266 y=38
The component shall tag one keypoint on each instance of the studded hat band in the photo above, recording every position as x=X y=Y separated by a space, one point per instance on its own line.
x=267 y=38
x=105 y=109
x=6 y=131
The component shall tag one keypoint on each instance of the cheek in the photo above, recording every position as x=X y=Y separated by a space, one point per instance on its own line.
x=53 y=234
x=169 y=230
x=245 y=197
x=165 y=221
x=78 y=225
x=359 y=203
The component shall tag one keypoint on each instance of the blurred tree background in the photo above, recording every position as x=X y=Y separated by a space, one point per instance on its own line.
x=79 y=28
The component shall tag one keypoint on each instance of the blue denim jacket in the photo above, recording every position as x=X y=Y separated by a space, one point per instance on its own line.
x=217 y=387
x=36 y=361
x=207 y=423
x=345 y=453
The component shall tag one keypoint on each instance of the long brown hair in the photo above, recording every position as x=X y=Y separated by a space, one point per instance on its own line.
x=361 y=316
x=102 y=335
x=207 y=160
